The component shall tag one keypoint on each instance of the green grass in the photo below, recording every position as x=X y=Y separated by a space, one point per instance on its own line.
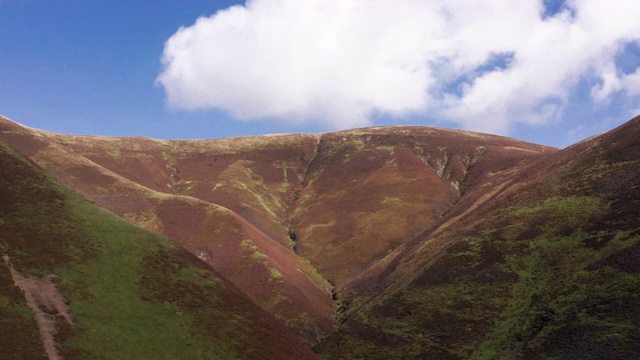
x=275 y=274
x=524 y=277
x=391 y=200
x=184 y=190
x=556 y=289
x=358 y=145
x=262 y=195
x=248 y=245
x=111 y=297
x=389 y=148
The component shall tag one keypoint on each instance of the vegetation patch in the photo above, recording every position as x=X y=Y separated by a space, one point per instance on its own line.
x=132 y=293
x=390 y=149
x=558 y=288
x=275 y=274
x=391 y=200
x=184 y=190
x=147 y=219
x=312 y=227
x=255 y=254
x=285 y=182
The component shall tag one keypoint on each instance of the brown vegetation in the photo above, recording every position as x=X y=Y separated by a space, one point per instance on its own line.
x=390 y=242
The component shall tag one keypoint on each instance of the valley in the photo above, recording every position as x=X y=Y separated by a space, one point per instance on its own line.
x=385 y=242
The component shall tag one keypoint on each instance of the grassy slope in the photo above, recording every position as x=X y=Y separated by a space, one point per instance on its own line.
x=298 y=297
x=133 y=293
x=547 y=268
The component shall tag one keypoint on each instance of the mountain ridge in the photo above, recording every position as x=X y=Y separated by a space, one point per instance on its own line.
x=336 y=234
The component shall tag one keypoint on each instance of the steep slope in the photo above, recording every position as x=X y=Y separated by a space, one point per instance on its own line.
x=264 y=269
x=78 y=282
x=253 y=176
x=543 y=263
x=342 y=200
x=435 y=243
x=367 y=191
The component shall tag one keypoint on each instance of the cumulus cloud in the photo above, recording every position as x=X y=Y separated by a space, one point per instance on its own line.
x=484 y=64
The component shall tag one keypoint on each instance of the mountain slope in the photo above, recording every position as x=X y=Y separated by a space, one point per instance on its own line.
x=103 y=288
x=264 y=269
x=367 y=191
x=418 y=242
x=354 y=179
x=275 y=188
x=544 y=265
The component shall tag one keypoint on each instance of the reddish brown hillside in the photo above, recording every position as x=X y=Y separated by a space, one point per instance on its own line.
x=253 y=176
x=77 y=282
x=263 y=210
x=537 y=261
x=267 y=271
x=369 y=190
x=356 y=181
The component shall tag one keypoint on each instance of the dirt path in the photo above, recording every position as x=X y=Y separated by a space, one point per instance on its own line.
x=46 y=301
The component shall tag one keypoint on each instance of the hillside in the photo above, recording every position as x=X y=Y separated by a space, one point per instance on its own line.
x=265 y=270
x=545 y=265
x=102 y=287
x=388 y=242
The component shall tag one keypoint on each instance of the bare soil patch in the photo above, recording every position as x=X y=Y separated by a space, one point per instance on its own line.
x=45 y=300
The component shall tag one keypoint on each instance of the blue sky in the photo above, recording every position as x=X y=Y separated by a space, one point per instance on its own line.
x=285 y=66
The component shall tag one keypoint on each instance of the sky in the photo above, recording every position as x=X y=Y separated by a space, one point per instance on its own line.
x=551 y=72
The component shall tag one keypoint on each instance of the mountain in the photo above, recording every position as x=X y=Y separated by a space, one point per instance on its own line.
x=542 y=265
x=387 y=242
x=101 y=287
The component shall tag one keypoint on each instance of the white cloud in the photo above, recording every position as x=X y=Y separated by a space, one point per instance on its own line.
x=338 y=62
x=631 y=83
